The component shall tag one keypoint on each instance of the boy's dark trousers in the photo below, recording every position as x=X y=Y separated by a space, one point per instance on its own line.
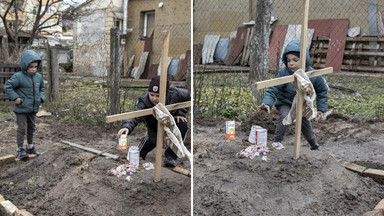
x=25 y=125
x=306 y=127
x=149 y=143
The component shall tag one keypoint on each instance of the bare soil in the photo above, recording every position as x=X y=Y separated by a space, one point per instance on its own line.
x=314 y=184
x=65 y=180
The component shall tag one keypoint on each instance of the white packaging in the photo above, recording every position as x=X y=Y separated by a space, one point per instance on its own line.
x=258 y=135
x=134 y=156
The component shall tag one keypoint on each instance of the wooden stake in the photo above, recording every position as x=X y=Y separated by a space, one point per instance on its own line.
x=160 y=128
x=300 y=97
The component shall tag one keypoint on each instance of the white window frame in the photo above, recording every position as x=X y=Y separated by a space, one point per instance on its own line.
x=146 y=22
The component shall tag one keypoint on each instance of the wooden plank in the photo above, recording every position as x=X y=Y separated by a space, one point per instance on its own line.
x=95 y=151
x=7 y=159
x=183 y=66
x=160 y=127
x=231 y=42
x=180 y=170
x=247 y=38
x=248 y=53
x=363 y=68
x=143 y=62
x=153 y=71
x=353 y=167
x=287 y=79
x=197 y=53
x=6 y=74
x=363 y=53
x=147 y=48
x=239 y=43
x=144 y=112
x=322 y=27
x=337 y=44
x=138 y=52
x=210 y=42
x=276 y=45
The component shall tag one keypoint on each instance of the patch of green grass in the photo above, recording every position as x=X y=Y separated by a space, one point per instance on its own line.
x=31 y=181
x=6 y=109
x=228 y=96
x=82 y=99
x=363 y=98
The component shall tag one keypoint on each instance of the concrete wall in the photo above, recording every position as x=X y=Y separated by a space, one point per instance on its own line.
x=174 y=16
x=92 y=40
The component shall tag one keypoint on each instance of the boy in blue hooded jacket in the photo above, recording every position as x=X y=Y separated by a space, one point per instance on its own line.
x=285 y=94
x=26 y=89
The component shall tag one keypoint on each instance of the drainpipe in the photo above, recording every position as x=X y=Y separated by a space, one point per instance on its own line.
x=125 y=17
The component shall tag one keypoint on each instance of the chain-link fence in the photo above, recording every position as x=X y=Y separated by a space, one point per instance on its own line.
x=345 y=35
x=85 y=89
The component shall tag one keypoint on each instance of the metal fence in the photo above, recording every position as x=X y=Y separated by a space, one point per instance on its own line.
x=345 y=35
x=85 y=90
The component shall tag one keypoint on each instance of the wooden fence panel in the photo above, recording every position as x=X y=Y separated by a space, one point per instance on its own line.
x=6 y=72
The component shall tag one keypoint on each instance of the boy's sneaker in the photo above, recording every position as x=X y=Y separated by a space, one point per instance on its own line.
x=317 y=148
x=277 y=145
x=21 y=153
x=169 y=162
x=33 y=151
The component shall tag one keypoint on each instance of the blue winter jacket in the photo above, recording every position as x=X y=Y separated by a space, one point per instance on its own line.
x=285 y=93
x=30 y=88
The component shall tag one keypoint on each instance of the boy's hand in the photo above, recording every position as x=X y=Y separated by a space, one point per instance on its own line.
x=264 y=107
x=320 y=115
x=18 y=101
x=178 y=118
x=122 y=131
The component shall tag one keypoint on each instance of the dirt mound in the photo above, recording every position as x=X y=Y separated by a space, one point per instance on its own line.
x=68 y=181
x=315 y=184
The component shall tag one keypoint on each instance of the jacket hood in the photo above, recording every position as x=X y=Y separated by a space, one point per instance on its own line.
x=294 y=46
x=27 y=57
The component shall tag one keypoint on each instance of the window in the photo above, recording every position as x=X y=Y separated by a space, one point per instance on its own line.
x=148 y=22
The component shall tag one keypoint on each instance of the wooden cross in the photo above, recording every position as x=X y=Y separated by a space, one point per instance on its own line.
x=288 y=79
x=139 y=113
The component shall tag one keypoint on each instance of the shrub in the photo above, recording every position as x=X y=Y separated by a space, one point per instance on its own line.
x=68 y=66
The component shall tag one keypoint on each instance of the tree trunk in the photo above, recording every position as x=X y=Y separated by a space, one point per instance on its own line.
x=114 y=74
x=259 y=46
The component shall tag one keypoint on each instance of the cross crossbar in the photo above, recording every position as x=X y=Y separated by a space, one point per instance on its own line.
x=144 y=112
x=288 y=79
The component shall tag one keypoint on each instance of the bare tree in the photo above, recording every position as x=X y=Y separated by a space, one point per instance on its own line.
x=45 y=14
x=259 y=47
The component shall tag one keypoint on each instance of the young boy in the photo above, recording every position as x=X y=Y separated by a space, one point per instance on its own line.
x=286 y=92
x=148 y=100
x=26 y=89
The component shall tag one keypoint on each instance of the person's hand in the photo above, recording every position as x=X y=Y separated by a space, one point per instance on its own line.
x=180 y=118
x=18 y=101
x=320 y=115
x=122 y=131
x=264 y=107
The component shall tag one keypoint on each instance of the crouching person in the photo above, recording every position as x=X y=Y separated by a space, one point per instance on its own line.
x=148 y=100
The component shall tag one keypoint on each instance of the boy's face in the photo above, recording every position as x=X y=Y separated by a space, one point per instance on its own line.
x=32 y=68
x=293 y=62
x=154 y=97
